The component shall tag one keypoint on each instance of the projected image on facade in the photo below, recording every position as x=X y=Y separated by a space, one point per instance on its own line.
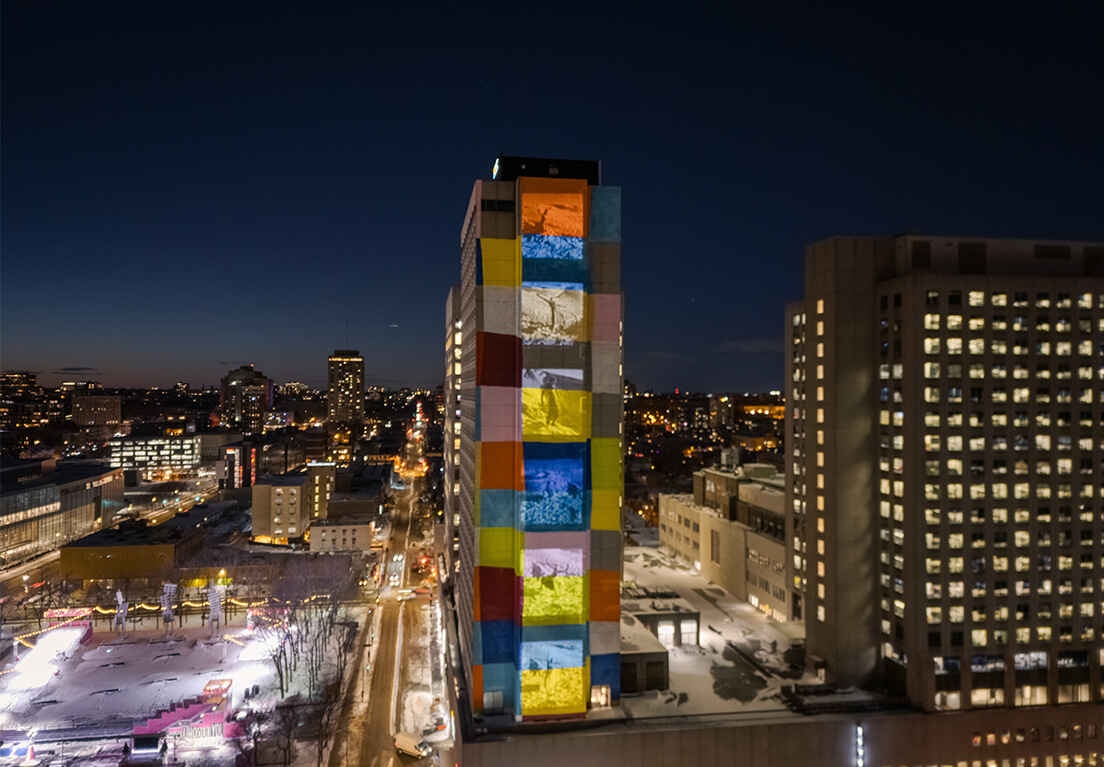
x=552 y=378
x=552 y=313
x=555 y=413
x=541 y=562
x=553 y=691
x=558 y=248
x=552 y=600
x=537 y=656
x=554 y=488
x=553 y=212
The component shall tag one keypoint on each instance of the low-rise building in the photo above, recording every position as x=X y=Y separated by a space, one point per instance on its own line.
x=137 y=550
x=350 y=533
x=280 y=508
x=733 y=530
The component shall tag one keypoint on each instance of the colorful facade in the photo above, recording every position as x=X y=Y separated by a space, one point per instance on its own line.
x=540 y=426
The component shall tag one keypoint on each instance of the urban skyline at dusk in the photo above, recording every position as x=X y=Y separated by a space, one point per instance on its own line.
x=190 y=188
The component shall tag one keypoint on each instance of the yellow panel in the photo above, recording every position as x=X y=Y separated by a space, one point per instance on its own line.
x=501 y=261
x=498 y=547
x=554 y=691
x=605 y=464
x=554 y=415
x=605 y=511
x=554 y=599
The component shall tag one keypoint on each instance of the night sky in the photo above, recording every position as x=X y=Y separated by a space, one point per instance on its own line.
x=190 y=186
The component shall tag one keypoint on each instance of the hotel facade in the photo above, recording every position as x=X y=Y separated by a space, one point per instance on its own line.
x=534 y=477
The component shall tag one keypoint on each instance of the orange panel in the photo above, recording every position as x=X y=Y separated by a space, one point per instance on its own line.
x=555 y=206
x=605 y=596
x=501 y=466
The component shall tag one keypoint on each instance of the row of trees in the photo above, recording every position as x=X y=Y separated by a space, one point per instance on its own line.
x=309 y=636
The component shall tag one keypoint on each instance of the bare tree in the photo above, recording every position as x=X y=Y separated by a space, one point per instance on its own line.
x=327 y=711
x=285 y=723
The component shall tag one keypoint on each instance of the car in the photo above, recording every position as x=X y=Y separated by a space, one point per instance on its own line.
x=405 y=743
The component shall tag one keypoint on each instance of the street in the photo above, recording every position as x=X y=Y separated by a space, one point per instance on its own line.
x=368 y=739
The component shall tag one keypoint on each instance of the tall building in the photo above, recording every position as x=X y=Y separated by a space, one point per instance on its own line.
x=945 y=468
x=540 y=424
x=454 y=338
x=246 y=394
x=345 y=400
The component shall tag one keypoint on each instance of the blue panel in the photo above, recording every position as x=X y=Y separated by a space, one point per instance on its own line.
x=498 y=508
x=606 y=669
x=605 y=214
x=556 y=271
x=478 y=262
x=498 y=642
x=538 y=656
x=552 y=247
x=557 y=479
x=502 y=677
x=558 y=633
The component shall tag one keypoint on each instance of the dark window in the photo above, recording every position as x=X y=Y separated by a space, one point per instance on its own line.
x=1053 y=251
x=715 y=547
x=971 y=258
x=921 y=254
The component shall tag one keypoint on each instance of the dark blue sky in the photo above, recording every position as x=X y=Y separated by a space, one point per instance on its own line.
x=187 y=186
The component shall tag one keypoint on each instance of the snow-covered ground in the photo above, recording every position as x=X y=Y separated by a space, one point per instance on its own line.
x=117 y=680
x=741 y=662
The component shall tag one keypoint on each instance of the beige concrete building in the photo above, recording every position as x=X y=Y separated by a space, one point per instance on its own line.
x=732 y=530
x=321 y=476
x=352 y=533
x=280 y=508
x=944 y=467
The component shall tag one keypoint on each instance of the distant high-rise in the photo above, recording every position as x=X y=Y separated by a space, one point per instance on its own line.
x=535 y=479
x=246 y=395
x=945 y=468
x=345 y=400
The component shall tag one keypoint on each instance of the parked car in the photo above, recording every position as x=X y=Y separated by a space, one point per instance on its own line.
x=405 y=743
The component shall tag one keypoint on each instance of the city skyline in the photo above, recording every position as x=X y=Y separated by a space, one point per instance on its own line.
x=173 y=176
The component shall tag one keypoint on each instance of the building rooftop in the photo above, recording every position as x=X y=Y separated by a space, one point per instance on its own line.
x=64 y=473
x=281 y=480
x=138 y=532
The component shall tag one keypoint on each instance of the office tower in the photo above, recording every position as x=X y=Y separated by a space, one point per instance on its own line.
x=97 y=410
x=246 y=395
x=345 y=400
x=454 y=337
x=944 y=462
x=540 y=476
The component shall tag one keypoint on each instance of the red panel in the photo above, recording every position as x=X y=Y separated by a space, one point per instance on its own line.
x=498 y=594
x=497 y=360
x=477 y=684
